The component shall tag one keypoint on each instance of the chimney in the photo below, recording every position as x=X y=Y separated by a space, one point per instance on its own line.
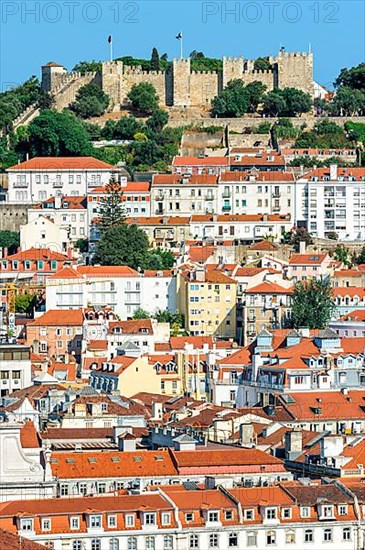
x=246 y=435
x=126 y=442
x=156 y=411
x=302 y=247
x=293 y=444
x=333 y=172
x=57 y=202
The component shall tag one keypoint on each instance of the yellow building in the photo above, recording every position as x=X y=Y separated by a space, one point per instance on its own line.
x=207 y=300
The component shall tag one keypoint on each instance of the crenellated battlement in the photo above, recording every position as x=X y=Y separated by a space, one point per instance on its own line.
x=180 y=86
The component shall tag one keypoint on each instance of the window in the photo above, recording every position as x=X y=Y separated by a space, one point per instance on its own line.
x=252 y=538
x=150 y=543
x=26 y=524
x=96 y=544
x=286 y=513
x=194 y=541
x=327 y=511
x=290 y=537
x=271 y=513
x=305 y=512
x=327 y=535
x=342 y=509
x=83 y=488
x=150 y=519
x=46 y=524
x=308 y=535
x=95 y=522
x=74 y=523
x=346 y=533
x=114 y=544
x=228 y=514
x=232 y=540
x=112 y=521
x=270 y=538
x=189 y=517
x=213 y=541
x=213 y=516
x=168 y=542
x=166 y=518
x=249 y=514
x=132 y=543
x=77 y=545
x=129 y=520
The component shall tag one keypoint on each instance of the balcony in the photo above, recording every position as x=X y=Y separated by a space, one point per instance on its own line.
x=276 y=208
x=226 y=194
x=209 y=197
x=159 y=211
x=226 y=208
x=276 y=195
x=57 y=184
x=20 y=184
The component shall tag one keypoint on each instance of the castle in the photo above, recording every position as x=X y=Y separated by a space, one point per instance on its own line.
x=182 y=87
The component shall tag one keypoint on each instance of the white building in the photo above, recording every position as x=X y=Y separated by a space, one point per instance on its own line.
x=15 y=367
x=332 y=200
x=256 y=192
x=121 y=288
x=42 y=232
x=175 y=194
x=40 y=178
x=67 y=212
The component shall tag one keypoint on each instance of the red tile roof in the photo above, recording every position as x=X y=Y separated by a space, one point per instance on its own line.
x=66 y=272
x=12 y=541
x=62 y=163
x=350 y=291
x=191 y=179
x=133 y=326
x=307 y=259
x=267 y=287
x=264 y=245
x=107 y=271
x=355 y=316
x=197 y=161
x=29 y=438
x=38 y=254
x=259 y=176
x=56 y=317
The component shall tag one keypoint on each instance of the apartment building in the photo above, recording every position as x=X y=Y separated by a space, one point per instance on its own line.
x=207 y=300
x=183 y=195
x=199 y=165
x=332 y=200
x=302 y=267
x=254 y=192
x=34 y=264
x=41 y=178
x=15 y=367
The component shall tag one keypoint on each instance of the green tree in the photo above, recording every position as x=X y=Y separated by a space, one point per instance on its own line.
x=313 y=304
x=56 y=134
x=274 y=103
x=341 y=254
x=82 y=245
x=155 y=60
x=348 y=102
x=352 y=78
x=255 y=91
x=157 y=121
x=87 y=67
x=298 y=235
x=141 y=314
x=9 y=240
x=160 y=259
x=296 y=101
x=233 y=101
x=360 y=257
x=176 y=320
x=124 y=128
x=262 y=64
x=143 y=98
x=25 y=303
x=111 y=210
x=91 y=101
x=126 y=244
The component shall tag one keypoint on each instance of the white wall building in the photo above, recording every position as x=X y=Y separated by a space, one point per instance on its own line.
x=69 y=213
x=44 y=233
x=40 y=178
x=15 y=367
x=332 y=200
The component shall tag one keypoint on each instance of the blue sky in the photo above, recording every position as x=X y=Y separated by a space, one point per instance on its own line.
x=67 y=31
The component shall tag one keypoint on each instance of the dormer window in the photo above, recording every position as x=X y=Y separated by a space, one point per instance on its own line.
x=342 y=509
x=304 y=512
x=104 y=407
x=286 y=513
x=46 y=524
x=150 y=518
x=270 y=513
x=249 y=515
x=129 y=520
x=326 y=511
x=26 y=524
x=95 y=521
x=189 y=517
x=213 y=516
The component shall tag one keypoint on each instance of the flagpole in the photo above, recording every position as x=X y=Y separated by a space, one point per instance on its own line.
x=181 y=46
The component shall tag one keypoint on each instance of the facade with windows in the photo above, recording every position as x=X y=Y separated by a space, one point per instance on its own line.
x=289 y=514
x=15 y=368
x=41 y=178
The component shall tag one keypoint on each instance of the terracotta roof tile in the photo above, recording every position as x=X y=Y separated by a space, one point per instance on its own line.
x=62 y=163
x=55 y=317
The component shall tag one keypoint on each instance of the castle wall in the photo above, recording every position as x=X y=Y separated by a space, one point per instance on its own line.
x=134 y=75
x=111 y=82
x=12 y=216
x=295 y=70
x=265 y=77
x=203 y=88
x=181 y=82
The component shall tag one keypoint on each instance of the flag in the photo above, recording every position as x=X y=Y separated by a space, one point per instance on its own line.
x=179 y=36
x=110 y=38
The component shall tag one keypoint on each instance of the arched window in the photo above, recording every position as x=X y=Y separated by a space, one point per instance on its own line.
x=114 y=544
x=96 y=544
x=290 y=537
x=270 y=538
x=77 y=545
x=132 y=543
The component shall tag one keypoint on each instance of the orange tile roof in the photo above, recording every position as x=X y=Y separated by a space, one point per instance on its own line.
x=277 y=160
x=133 y=326
x=74 y=203
x=218 y=277
x=333 y=405
x=158 y=273
x=348 y=273
x=267 y=287
x=258 y=176
x=107 y=466
x=66 y=272
x=56 y=317
x=321 y=172
x=62 y=163
x=350 y=291
x=307 y=259
x=29 y=438
x=12 y=541
x=97 y=345
x=107 y=271
x=227 y=457
x=201 y=253
x=356 y=316
x=264 y=245
x=192 y=179
x=136 y=187
x=197 y=161
x=38 y=254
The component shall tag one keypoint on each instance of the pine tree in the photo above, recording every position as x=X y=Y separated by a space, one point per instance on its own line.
x=155 y=60
x=111 y=207
x=313 y=304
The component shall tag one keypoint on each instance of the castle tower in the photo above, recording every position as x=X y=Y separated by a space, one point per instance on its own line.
x=232 y=69
x=112 y=81
x=51 y=74
x=295 y=70
x=181 y=82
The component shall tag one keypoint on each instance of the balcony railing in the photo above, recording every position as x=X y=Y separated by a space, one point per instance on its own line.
x=226 y=208
x=209 y=197
x=57 y=184
x=226 y=194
